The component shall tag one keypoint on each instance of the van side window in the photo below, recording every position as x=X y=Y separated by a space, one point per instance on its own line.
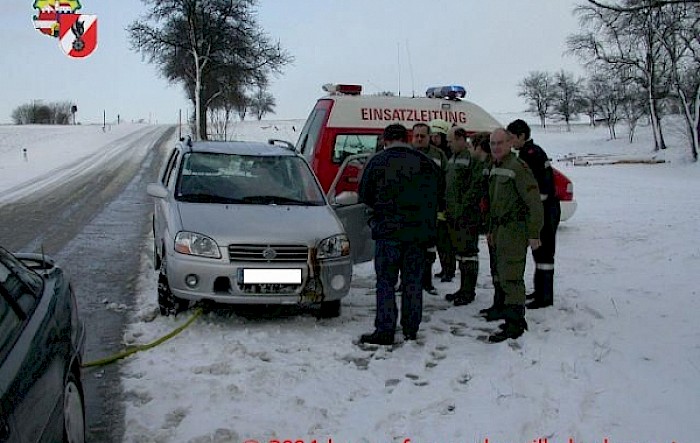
x=310 y=133
x=349 y=144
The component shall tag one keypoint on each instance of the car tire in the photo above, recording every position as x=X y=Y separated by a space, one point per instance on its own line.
x=167 y=302
x=73 y=411
x=329 y=309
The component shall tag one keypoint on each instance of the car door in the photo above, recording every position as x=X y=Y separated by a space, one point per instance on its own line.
x=343 y=196
x=167 y=179
x=10 y=328
x=36 y=362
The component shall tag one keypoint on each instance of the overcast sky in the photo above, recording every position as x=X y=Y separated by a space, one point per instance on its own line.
x=398 y=45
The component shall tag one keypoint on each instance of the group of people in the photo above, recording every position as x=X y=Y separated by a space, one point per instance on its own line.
x=434 y=196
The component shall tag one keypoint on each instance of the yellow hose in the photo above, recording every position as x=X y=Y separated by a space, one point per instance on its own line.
x=138 y=348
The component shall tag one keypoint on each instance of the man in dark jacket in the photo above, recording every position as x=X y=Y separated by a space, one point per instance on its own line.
x=539 y=164
x=401 y=186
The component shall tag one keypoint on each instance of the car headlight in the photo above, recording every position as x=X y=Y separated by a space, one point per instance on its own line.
x=333 y=247
x=192 y=243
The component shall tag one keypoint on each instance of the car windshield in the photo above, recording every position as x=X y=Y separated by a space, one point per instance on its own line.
x=247 y=179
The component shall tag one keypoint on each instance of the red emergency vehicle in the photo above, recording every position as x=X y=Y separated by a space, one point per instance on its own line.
x=345 y=123
x=344 y=129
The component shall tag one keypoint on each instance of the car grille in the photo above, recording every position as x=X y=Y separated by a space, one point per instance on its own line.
x=268 y=253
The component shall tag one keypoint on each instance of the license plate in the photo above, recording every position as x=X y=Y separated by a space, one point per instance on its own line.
x=265 y=276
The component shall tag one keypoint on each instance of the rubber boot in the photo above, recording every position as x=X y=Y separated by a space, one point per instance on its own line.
x=427 y=279
x=514 y=326
x=469 y=270
x=537 y=283
x=494 y=312
x=545 y=291
x=462 y=285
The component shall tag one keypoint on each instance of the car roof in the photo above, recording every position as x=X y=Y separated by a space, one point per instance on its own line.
x=237 y=147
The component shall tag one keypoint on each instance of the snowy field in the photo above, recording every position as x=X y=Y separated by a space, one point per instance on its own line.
x=616 y=358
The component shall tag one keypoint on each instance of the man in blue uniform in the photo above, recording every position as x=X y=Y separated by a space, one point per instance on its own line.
x=401 y=186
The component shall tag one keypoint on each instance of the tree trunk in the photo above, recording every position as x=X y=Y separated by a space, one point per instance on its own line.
x=632 y=127
x=202 y=123
x=611 y=128
x=692 y=120
x=197 y=96
x=662 y=141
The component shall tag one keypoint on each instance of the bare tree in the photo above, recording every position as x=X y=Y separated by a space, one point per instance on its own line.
x=610 y=104
x=626 y=41
x=567 y=99
x=205 y=44
x=679 y=35
x=632 y=106
x=629 y=7
x=262 y=102
x=538 y=90
x=241 y=103
x=592 y=95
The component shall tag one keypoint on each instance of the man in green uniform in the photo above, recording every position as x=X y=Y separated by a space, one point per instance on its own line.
x=514 y=223
x=481 y=143
x=438 y=140
x=421 y=141
x=463 y=195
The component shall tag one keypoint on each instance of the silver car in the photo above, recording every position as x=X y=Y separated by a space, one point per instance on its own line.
x=246 y=223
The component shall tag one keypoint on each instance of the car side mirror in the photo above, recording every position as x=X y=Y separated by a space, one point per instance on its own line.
x=157 y=190
x=346 y=198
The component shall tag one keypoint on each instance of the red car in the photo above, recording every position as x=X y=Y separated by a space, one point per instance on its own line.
x=565 y=191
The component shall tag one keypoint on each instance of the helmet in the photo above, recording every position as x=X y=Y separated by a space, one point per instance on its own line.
x=439 y=126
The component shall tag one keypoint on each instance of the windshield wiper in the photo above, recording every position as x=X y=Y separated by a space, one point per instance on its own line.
x=274 y=199
x=208 y=198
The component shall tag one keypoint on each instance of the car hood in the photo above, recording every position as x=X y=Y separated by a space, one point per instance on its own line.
x=260 y=224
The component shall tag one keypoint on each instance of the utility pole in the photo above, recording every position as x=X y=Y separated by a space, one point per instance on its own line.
x=398 y=62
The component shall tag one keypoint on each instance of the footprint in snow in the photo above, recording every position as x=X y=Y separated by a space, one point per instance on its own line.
x=174 y=418
x=138 y=398
x=417 y=380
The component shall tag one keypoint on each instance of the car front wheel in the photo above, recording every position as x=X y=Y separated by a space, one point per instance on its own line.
x=167 y=302
x=73 y=411
x=329 y=309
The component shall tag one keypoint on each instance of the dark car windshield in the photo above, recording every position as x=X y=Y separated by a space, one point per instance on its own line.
x=247 y=179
